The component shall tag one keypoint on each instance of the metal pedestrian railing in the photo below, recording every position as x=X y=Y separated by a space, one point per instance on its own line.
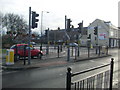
x=102 y=80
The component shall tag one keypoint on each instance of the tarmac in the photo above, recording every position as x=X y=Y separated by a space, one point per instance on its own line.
x=49 y=62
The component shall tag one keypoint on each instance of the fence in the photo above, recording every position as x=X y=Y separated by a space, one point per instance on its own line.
x=74 y=52
x=54 y=51
x=77 y=53
x=69 y=53
x=98 y=81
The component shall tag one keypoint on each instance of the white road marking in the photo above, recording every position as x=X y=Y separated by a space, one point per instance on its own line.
x=60 y=74
x=9 y=72
x=0 y=71
x=92 y=61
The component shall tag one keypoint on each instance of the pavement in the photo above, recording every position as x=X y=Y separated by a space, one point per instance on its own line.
x=46 y=62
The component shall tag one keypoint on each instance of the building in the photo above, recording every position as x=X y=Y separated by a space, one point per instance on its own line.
x=62 y=36
x=107 y=34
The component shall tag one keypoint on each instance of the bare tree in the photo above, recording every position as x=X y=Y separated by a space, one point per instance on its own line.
x=15 y=24
x=1 y=23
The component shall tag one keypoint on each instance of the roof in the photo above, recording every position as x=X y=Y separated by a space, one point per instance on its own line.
x=107 y=23
x=21 y=44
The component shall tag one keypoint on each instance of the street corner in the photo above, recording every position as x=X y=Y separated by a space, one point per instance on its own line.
x=11 y=68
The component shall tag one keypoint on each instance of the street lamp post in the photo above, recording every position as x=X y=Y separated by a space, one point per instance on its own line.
x=41 y=27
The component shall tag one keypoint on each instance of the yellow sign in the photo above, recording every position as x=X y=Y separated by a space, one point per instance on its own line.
x=10 y=57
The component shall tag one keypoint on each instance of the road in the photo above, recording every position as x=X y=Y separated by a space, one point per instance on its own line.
x=53 y=77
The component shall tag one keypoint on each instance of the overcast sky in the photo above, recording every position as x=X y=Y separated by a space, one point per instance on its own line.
x=77 y=10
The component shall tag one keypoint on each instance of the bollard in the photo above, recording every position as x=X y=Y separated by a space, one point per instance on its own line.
x=54 y=46
x=88 y=52
x=24 y=55
x=68 y=54
x=60 y=48
x=99 y=51
x=78 y=51
x=111 y=73
x=107 y=50
x=16 y=59
x=72 y=52
x=47 y=50
x=68 y=80
x=41 y=47
x=96 y=50
x=58 y=51
x=75 y=53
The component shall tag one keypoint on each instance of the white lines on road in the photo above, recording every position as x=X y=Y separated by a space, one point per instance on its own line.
x=92 y=61
x=61 y=74
x=0 y=71
x=9 y=72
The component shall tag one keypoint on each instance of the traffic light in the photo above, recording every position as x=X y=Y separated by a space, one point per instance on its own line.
x=58 y=28
x=68 y=24
x=46 y=33
x=80 y=27
x=72 y=26
x=33 y=35
x=89 y=36
x=34 y=20
x=95 y=30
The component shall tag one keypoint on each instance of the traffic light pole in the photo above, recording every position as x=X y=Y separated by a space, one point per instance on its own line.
x=97 y=34
x=68 y=54
x=29 y=53
x=41 y=29
x=48 y=43
x=80 y=36
x=97 y=41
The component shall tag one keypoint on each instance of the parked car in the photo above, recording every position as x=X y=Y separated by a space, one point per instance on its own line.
x=73 y=44
x=21 y=50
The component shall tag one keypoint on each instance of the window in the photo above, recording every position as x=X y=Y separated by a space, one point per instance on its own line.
x=13 y=47
x=30 y=48
x=20 y=47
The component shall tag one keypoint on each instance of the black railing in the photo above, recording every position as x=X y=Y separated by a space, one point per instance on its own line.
x=95 y=81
